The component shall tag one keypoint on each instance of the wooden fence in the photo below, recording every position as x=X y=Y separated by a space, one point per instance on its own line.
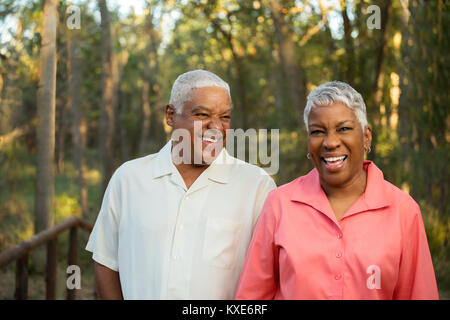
x=21 y=252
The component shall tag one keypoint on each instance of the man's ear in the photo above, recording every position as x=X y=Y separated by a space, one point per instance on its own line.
x=170 y=112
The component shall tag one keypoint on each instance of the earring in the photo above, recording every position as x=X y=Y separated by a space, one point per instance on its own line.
x=308 y=156
x=369 y=149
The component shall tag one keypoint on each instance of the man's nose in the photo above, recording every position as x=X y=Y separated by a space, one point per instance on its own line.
x=215 y=124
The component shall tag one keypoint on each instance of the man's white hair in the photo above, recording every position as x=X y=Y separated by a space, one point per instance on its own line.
x=336 y=92
x=186 y=82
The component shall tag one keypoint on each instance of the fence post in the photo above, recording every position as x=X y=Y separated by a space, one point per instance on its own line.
x=22 y=278
x=72 y=257
x=51 y=269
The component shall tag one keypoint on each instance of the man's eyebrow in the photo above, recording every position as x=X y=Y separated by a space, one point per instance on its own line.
x=196 y=108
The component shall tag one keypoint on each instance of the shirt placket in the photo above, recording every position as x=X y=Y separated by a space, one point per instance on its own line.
x=337 y=256
x=180 y=262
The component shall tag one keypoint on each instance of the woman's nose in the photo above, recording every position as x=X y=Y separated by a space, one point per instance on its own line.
x=331 y=141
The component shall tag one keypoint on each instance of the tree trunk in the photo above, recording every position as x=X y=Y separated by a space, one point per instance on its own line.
x=349 y=46
x=46 y=119
x=291 y=67
x=378 y=83
x=78 y=119
x=60 y=133
x=11 y=107
x=109 y=100
x=146 y=89
x=331 y=46
x=240 y=72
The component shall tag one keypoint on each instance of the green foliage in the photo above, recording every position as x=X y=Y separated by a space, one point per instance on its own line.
x=238 y=41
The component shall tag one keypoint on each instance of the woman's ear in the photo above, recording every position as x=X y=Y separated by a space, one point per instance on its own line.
x=170 y=112
x=367 y=136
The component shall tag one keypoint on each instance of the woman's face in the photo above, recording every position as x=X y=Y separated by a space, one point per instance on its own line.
x=336 y=143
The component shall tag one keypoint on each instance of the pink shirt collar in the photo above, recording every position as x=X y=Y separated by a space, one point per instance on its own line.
x=309 y=191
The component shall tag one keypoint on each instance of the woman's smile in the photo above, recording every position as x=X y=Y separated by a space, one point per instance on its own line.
x=334 y=163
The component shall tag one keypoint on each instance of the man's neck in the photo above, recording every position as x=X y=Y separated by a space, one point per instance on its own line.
x=190 y=172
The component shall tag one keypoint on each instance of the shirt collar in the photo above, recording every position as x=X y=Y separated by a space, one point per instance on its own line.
x=218 y=171
x=309 y=191
x=163 y=162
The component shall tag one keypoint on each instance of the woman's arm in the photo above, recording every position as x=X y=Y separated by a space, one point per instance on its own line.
x=416 y=279
x=259 y=277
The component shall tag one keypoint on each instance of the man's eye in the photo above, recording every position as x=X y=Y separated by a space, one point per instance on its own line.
x=226 y=117
x=345 y=129
x=201 y=114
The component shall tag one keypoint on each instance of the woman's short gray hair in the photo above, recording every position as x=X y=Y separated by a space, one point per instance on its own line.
x=336 y=92
x=183 y=85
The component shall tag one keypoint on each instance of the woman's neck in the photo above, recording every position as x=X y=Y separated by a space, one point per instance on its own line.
x=353 y=188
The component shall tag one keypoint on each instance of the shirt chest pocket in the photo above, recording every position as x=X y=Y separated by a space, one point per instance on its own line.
x=221 y=243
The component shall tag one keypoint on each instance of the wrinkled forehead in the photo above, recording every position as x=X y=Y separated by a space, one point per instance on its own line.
x=209 y=98
x=335 y=112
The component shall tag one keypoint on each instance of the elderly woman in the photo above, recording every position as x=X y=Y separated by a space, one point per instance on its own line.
x=341 y=231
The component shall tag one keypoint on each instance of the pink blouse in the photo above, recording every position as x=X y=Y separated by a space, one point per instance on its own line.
x=377 y=250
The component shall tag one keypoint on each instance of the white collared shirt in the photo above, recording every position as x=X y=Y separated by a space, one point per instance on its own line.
x=169 y=242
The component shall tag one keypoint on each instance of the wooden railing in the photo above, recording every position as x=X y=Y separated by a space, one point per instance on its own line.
x=21 y=252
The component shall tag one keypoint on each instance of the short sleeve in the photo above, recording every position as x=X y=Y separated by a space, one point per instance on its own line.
x=103 y=241
x=259 y=277
x=266 y=186
x=416 y=280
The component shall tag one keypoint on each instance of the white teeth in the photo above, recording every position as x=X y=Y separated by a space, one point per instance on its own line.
x=210 y=140
x=334 y=159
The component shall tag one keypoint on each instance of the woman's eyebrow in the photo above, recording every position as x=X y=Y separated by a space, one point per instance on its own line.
x=342 y=122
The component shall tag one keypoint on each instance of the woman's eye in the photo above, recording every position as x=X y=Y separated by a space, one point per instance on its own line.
x=316 y=132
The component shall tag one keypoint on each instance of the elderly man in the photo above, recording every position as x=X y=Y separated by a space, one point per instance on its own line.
x=177 y=224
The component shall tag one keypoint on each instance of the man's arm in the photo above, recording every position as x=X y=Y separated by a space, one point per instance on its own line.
x=107 y=283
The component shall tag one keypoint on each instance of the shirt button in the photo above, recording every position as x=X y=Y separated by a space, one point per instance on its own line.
x=339 y=236
x=338 y=277
x=187 y=197
x=338 y=255
x=181 y=227
x=175 y=257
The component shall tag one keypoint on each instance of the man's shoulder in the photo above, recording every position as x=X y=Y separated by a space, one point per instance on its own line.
x=135 y=166
x=247 y=170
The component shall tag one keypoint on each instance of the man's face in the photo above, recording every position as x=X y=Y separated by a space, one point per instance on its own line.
x=210 y=109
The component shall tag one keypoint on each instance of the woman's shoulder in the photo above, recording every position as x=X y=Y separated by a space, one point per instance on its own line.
x=285 y=191
x=401 y=200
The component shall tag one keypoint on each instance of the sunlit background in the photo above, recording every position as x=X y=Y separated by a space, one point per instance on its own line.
x=272 y=57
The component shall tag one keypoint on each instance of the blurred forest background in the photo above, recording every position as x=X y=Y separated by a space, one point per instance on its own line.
x=75 y=103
